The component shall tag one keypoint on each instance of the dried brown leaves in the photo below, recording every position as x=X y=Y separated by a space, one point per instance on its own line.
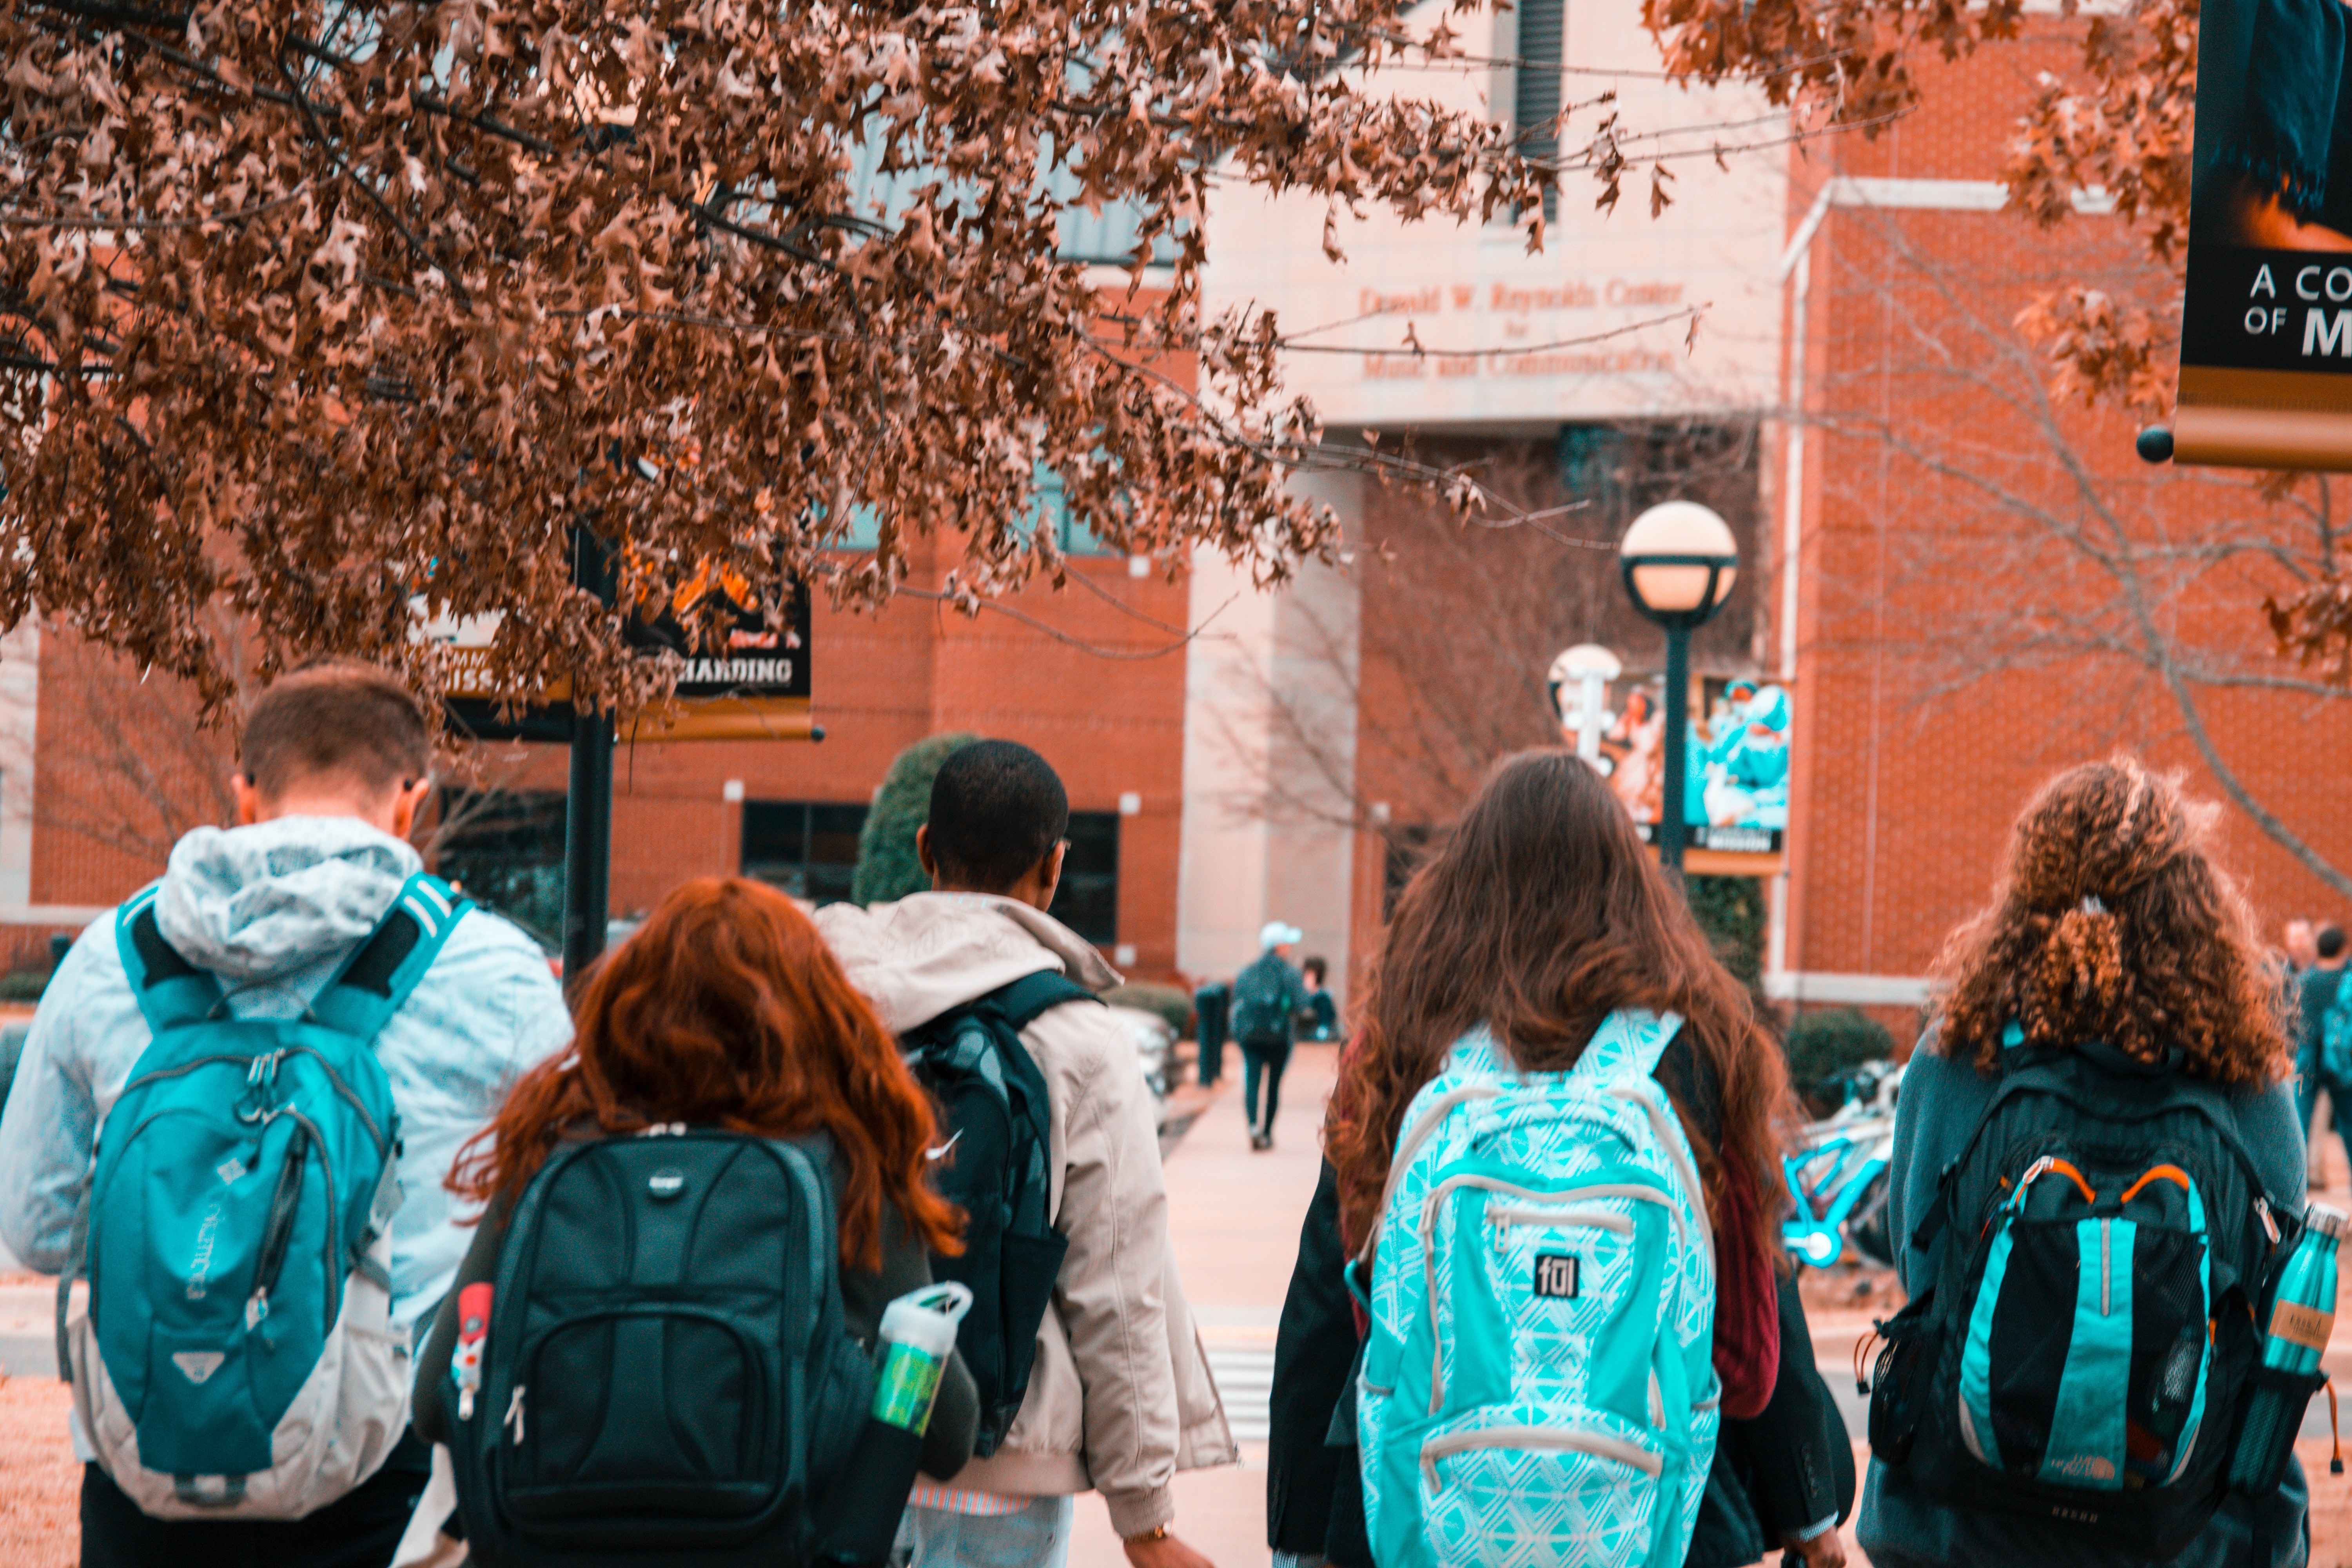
x=316 y=311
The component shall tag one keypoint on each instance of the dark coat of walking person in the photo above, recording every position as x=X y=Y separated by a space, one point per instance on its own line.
x=1268 y=995
x=1540 y=923
x=2117 y=952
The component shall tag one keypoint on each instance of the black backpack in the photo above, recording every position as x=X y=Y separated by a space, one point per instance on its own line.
x=2086 y=1355
x=668 y=1378
x=1261 y=1008
x=995 y=1132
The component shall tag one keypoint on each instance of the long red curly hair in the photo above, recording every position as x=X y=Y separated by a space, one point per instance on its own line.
x=726 y=1009
x=2112 y=922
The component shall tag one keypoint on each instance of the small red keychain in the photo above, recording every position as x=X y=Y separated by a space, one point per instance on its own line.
x=473 y=1328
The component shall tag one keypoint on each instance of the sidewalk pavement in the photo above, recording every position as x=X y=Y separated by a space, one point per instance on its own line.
x=1235 y=1216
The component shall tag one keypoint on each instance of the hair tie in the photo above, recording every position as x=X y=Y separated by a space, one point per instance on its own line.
x=2091 y=905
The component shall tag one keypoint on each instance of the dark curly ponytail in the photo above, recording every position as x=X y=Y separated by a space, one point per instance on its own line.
x=2111 y=922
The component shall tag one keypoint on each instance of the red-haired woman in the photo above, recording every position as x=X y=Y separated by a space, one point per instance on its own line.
x=727 y=1010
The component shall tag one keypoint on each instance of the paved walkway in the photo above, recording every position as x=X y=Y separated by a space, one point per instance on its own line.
x=1235 y=1215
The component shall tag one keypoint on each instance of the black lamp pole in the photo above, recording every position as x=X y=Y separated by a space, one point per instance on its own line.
x=588 y=808
x=1672 y=827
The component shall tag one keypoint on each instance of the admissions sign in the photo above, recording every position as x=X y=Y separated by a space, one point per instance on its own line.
x=2266 y=330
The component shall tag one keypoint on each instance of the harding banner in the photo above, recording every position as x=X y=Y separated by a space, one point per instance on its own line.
x=756 y=687
x=2266 y=329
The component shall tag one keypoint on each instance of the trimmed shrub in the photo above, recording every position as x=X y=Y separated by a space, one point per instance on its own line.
x=1168 y=1001
x=24 y=985
x=886 y=866
x=1730 y=910
x=1822 y=1045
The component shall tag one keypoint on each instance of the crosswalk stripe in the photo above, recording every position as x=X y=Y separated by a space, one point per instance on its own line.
x=1244 y=1369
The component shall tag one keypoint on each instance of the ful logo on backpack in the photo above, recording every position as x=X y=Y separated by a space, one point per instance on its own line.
x=1538 y=1385
x=236 y=1357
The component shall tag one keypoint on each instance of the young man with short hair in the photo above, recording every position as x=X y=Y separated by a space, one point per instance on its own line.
x=335 y=763
x=1120 y=1397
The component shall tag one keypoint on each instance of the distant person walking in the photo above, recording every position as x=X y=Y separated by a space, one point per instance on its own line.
x=293 y=1008
x=2323 y=1056
x=1320 y=1017
x=1268 y=997
x=1120 y=1397
x=2097 y=1155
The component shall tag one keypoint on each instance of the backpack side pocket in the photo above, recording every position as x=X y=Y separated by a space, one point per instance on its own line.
x=1901 y=1378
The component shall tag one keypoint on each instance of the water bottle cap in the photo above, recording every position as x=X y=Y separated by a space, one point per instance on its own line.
x=2327 y=1220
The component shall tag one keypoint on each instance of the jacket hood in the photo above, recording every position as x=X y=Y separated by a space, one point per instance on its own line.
x=252 y=903
x=929 y=952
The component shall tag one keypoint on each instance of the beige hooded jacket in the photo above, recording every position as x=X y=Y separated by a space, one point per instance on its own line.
x=1121 y=1397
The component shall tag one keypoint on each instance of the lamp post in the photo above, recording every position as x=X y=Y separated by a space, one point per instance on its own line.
x=1679 y=562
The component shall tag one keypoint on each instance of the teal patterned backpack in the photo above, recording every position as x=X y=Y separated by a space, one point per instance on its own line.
x=1539 y=1388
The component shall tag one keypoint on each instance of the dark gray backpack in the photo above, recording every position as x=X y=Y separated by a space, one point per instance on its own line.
x=669 y=1379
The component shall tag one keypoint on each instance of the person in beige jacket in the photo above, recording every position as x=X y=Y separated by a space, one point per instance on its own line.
x=1121 y=1397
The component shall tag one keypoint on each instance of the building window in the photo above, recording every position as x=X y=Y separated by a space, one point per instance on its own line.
x=1088 y=900
x=1050 y=509
x=1536 y=95
x=504 y=849
x=806 y=848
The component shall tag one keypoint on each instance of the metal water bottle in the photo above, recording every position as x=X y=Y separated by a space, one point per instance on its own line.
x=2302 y=1316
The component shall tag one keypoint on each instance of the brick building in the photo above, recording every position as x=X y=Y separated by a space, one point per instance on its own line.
x=1963 y=585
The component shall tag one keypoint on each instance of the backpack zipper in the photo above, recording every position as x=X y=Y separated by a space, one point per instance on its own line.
x=277 y=1233
x=513 y=1416
x=1568 y=1439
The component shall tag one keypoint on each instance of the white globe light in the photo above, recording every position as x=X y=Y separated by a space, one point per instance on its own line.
x=1675 y=554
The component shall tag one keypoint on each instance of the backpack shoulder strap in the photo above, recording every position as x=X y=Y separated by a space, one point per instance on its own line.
x=1033 y=995
x=378 y=977
x=1628 y=1045
x=171 y=992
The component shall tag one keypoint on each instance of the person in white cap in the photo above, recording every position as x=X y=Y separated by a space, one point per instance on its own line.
x=1268 y=997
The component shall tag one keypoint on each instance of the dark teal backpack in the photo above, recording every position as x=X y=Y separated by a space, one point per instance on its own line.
x=236 y=1358
x=2087 y=1352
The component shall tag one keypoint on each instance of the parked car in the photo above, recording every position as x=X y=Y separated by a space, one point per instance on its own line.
x=1155 y=1047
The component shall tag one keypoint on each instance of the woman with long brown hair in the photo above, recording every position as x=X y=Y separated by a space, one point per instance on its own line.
x=726 y=1010
x=1539 y=926
x=2116 y=954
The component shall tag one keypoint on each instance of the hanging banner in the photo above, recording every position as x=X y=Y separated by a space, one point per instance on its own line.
x=1735 y=772
x=2266 y=324
x=755 y=689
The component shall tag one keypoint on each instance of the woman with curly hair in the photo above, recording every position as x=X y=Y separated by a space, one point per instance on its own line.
x=2115 y=945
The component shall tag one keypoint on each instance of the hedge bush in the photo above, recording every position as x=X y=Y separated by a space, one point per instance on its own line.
x=1822 y=1045
x=1730 y=910
x=886 y=866
x=1168 y=1001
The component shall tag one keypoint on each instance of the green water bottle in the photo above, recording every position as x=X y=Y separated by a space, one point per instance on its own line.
x=2302 y=1317
x=918 y=1335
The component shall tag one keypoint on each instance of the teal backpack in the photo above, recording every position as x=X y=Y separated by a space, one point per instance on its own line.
x=235 y=1358
x=2336 y=1037
x=1539 y=1384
